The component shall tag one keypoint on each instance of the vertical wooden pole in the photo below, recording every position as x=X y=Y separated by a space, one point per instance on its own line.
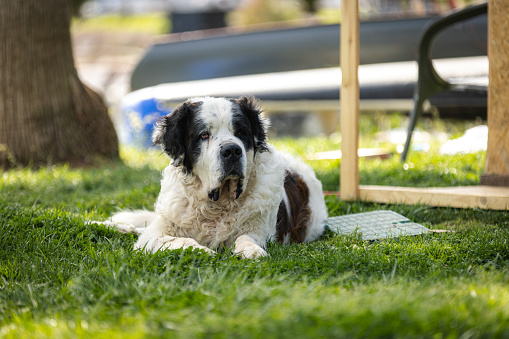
x=497 y=155
x=349 y=119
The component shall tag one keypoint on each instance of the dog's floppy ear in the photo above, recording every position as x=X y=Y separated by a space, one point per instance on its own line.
x=251 y=107
x=171 y=133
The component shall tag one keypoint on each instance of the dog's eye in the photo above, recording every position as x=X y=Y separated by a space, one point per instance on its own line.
x=204 y=136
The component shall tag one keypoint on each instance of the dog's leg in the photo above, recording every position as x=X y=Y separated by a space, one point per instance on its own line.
x=140 y=219
x=156 y=237
x=128 y=221
x=163 y=242
x=247 y=248
x=123 y=228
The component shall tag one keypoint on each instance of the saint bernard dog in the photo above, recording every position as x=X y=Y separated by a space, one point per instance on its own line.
x=225 y=185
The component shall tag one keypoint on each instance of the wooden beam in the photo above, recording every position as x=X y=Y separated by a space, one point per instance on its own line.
x=485 y=197
x=368 y=153
x=497 y=155
x=349 y=116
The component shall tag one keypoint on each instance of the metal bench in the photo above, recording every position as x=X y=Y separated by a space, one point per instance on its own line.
x=429 y=82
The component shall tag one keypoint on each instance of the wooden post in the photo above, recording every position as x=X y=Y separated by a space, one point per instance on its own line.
x=497 y=156
x=349 y=118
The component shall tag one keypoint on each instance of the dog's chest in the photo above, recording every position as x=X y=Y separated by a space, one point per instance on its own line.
x=211 y=223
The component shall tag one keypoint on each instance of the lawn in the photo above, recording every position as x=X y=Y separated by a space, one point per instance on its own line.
x=60 y=277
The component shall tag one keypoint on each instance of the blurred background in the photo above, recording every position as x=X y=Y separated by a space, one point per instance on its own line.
x=114 y=39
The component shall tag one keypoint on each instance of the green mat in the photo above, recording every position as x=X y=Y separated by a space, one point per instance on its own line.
x=375 y=225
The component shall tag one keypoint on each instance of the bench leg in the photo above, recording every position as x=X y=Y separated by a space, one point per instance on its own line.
x=414 y=115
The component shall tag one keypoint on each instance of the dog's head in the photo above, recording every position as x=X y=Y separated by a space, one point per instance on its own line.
x=214 y=139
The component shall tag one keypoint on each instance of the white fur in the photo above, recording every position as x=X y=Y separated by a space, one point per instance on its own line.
x=208 y=168
x=186 y=217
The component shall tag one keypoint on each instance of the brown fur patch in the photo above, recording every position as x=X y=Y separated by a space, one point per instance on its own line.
x=296 y=220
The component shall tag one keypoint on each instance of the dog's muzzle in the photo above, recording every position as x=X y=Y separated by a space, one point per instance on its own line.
x=231 y=161
x=231 y=156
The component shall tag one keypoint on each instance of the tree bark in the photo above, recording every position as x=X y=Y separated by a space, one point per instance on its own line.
x=46 y=114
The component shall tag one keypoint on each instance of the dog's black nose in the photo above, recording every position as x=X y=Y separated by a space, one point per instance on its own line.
x=231 y=152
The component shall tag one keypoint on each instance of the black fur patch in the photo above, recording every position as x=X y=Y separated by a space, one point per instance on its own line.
x=177 y=133
x=294 y=221
x=252 y=130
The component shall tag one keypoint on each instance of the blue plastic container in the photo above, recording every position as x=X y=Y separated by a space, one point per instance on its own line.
x=140 y=110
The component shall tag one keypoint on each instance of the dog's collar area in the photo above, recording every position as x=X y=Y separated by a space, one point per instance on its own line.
x=234 y=188
x=238 y=190
x=214 y=194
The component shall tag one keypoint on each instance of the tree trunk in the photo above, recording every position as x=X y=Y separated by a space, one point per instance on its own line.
x=46 y=114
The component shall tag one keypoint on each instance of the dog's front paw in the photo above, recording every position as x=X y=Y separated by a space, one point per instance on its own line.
x=252 y=251
x=200 y=247
x=246 y=248
x=167 y=242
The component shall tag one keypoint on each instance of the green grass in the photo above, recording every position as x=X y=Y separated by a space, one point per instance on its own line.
x=148 y=23
x=62 y=278
x=420 y=169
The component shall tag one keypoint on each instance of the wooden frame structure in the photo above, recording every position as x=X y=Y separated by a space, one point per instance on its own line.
x=485 y=197
x=349 y=118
